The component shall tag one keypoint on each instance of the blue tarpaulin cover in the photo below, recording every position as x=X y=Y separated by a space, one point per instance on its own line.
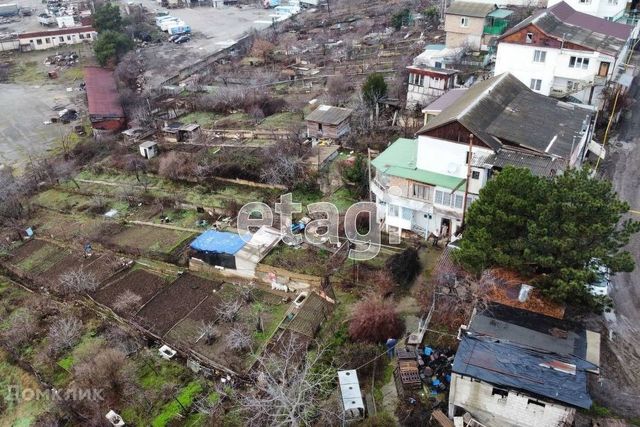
x=221 y=242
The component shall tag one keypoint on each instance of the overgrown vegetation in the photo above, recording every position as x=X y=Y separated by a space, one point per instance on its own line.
x=550 y=230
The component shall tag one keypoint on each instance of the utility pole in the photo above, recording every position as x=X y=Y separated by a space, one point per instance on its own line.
x=369 y=167
x=466 y=186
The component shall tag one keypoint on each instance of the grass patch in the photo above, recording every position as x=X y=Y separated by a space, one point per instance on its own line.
x=28 y=72
x=342 y=199
x=280 y=121
x=59 y=200
x=305 y=260
x=186 y=397
x=202 y=118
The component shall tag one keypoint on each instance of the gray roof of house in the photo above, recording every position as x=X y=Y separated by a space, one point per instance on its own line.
x=538 y=164
x=502 y=111
x=527 y=351
x=329 y=115
x=564 y=23
x=476 y=10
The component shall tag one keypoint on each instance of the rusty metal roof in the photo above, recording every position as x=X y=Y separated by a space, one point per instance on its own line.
x=102 y=93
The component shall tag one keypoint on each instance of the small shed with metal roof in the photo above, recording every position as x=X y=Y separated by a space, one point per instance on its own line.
x=327 y=121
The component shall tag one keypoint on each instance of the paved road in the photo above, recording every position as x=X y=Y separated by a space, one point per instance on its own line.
x=623 y=168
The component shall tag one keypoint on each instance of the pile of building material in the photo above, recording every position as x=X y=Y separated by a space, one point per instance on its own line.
x=62 y=59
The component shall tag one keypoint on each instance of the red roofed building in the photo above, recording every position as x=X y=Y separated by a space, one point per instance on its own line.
x=105 y=110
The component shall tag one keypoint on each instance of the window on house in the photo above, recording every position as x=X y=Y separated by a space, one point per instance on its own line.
x=47 y=40
x=577 y=62
x=535 y=402
x=69 y=37
x=499 y=392
x=423 y=192
x=407 y=214
x=584 y=1
x=458 y=201
x=475 y=175
x=438 y=64
x=39 y=41
x=394 y=210
x=529 y=38
x=464 y=21
x=81 y=36
x=539 y=55
x=416 y=79
x=572 y=86
x=61 y=38
x=535 y=84
x=603 y=70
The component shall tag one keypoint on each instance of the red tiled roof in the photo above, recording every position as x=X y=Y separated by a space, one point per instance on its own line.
x=56 y=32
x=102 y=93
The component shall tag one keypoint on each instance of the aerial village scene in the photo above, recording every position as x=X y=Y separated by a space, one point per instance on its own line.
x=319 y=213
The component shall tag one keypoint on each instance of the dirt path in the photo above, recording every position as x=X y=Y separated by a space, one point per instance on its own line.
x=622 y=382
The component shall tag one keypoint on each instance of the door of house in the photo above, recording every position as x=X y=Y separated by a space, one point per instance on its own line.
x=445 y=228
x=603 y=71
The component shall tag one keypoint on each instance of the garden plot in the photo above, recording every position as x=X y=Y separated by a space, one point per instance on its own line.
x=63 y=227
x=142 y=239
x=305 y=259
x=141 y=283
x=37 y=256
x=189 y=331
x=175 y=302
x=100 y=266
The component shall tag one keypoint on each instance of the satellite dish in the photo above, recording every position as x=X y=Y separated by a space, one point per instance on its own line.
x=452 y=168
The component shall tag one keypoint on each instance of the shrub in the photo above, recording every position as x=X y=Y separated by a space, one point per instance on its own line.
x=375 y=320
x=404 y=267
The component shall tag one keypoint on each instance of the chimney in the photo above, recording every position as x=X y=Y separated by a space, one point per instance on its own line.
x=525 y=290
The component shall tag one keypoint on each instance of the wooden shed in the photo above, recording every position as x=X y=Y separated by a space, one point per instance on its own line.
x=328 y=122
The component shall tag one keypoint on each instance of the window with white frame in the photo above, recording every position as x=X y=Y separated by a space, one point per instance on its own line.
x=464 y=21
x=578 y=62
x=394 y=210
x=407 y=214
x=416 y=79
x=529 y=38
x=451 y=200
x=535 y=84
x=423 y=192
x=539 y=55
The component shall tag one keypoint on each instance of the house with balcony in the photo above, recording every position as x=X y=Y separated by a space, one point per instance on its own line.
x=424 y=185
x=428 y=83
x=474 y=25
x=564 y=53
x=611 y=10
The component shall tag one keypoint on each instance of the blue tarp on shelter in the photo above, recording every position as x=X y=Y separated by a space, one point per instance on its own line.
x=220 y=242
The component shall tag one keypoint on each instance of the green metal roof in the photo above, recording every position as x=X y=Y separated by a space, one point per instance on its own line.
x=400 y=160
x=500 y=13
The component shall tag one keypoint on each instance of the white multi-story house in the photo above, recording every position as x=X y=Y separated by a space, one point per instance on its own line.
x=566 y=54
x=611 y=10
x=517 y=368
x=41 y=40
x=423 y=185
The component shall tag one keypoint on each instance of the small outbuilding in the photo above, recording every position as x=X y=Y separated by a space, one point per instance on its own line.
x=179 y=132
x=149 y=149
x=217 y=248
x=328 y=122
x=105 y=111
x=352 y=402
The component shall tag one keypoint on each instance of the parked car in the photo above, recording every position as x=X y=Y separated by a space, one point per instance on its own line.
x=175 y=37
x=602 y=285
x=182 y=39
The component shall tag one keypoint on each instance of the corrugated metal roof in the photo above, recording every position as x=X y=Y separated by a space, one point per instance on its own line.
x=102 y=93
x=329 y=115
x=464 y=8
x=399 y=160
x=500 y=13
x=445 y=100
x=310 y=316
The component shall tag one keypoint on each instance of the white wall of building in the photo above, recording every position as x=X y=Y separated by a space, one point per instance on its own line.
x=445 y=157
x=555 y=73
x=496 y=410
x=607 y=9
x=502 y=3
x=51 y=41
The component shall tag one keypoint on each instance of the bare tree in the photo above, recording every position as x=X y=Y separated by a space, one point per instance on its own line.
x=127 y=301
x=22 y=326
x=247 y=293
x=64 y=333
x=287 y=167
x=338 y=90
x=239 y=339
x=78 y=281
x=289 y=388
x=208 y=332
x=228 y=310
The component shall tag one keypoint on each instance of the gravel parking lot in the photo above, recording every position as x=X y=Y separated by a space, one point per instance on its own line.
x=213 y=29
x=24 y=110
